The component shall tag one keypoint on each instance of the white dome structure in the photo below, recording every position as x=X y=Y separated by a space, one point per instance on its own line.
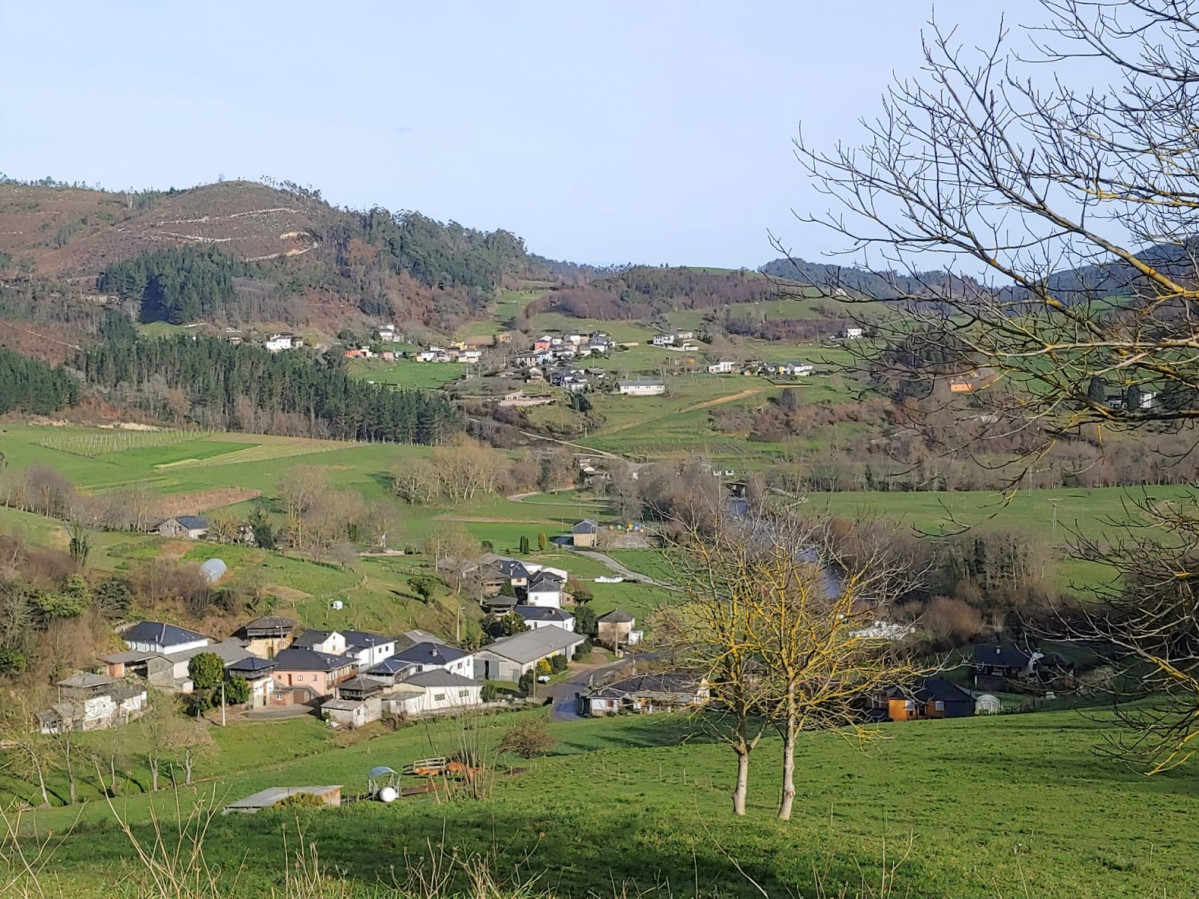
x=214 y=570
x=987 y=704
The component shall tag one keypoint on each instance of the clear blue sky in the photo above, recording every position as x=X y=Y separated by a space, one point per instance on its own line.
x=599 y=132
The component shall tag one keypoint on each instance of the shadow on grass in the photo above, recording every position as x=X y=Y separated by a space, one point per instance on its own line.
x=571 y=851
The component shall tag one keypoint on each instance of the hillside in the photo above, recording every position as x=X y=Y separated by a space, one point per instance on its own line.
x=294 y=258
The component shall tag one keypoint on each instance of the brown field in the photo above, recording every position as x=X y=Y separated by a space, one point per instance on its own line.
x=203 y=500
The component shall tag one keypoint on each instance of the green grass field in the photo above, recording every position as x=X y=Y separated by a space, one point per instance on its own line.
x=1007 y=806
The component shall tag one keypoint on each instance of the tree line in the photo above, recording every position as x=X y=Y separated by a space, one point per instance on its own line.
x=243 y=387
x=27 y=385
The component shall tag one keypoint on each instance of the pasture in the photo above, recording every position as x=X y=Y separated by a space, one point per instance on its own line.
x=963 y=809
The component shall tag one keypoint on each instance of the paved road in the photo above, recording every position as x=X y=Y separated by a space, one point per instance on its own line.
x=565 y=692
x=620 y=569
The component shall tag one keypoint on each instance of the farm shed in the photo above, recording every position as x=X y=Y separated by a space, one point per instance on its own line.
x=510 y=657
x=189 y=527
x=329 y=795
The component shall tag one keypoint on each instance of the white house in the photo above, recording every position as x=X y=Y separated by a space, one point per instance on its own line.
x=545 y=590
x=433 y=691
x=431 y=656
x=154 y=636
x=798 y=369
x=852 y=333
x=723 y=367
x=545 y=616
x=329 y=642
x=368 y=649
x=277 y=342
x=663 y=340
x=641 y=388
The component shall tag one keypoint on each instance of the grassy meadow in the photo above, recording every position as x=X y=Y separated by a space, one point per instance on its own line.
x=1015 y=805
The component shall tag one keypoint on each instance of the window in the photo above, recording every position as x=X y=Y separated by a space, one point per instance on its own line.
x=939 y=705
x=463 y=694
x=439 y=697
x=909 y=706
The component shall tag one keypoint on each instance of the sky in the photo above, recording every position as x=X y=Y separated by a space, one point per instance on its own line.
x=602 y=132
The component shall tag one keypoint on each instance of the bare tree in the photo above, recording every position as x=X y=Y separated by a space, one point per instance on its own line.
x=1038 y=205
x=299 y=489
x=1062 y=221
x=33 y=757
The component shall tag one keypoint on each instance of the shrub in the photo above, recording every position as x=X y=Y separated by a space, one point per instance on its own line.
x=528 y=738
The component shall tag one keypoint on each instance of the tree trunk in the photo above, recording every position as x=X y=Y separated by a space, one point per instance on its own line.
x=153 y=760
x=187 y=766
x=742 y=790
x=41 y=777
x=70 y=774
x=788 y=798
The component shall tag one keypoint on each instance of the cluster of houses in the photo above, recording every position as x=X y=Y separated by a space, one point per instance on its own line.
x=676 y=340
x=459 y=351
x=994 y=668
x=353 y=677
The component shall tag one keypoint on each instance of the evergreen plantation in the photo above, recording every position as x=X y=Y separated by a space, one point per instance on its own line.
x=27 y=385
x=244 y=387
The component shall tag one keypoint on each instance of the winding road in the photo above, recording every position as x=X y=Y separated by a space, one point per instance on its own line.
x=565 y=693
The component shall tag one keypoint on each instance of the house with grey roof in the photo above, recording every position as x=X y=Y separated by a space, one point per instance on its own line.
x=542 y=616
x=92 y=702
x=510 y=657
x=436 y=657
x=187 y=527
x=617 y=629
x=369 y=649
x=645 y=694
x=585 y=533
x=545 y=589
x=154 y=636
x=443 y=691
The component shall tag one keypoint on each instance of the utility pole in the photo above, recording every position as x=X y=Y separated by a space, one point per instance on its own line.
x=222 y=702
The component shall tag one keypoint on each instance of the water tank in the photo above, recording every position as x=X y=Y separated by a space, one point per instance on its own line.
x=214 y=570
x=388 y=794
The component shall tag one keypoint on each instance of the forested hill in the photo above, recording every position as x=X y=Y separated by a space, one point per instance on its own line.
x=263 y=252
x=210 y=382
x=638 y=292
x=867 y=284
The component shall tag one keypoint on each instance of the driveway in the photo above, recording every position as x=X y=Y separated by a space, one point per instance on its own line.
x=619 y=568
x=566 y=692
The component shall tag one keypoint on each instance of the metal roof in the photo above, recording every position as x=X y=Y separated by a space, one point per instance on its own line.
x=535 y=644
x=439 y=678
x=159 y=633
x=430 y=654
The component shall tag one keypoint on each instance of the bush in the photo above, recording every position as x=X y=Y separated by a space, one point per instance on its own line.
x=527 y=682
x=558 y=664
x=301 y=800
x=528 y=738
x=490 y=692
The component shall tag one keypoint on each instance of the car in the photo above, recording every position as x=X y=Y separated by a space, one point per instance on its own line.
x=543 y=678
